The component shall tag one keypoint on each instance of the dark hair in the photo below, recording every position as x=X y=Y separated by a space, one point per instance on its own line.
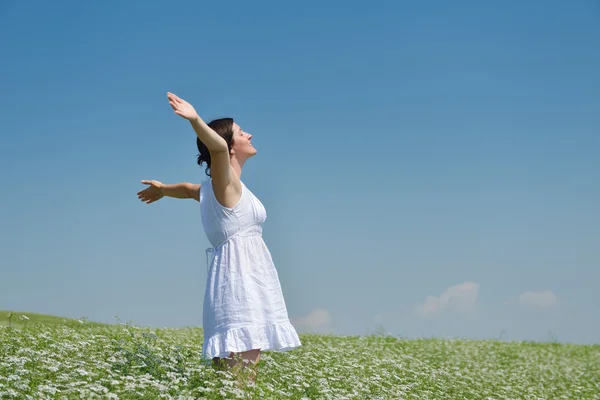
x=224 y=128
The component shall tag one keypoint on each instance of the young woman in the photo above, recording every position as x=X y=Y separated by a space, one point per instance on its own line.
x=244 y=309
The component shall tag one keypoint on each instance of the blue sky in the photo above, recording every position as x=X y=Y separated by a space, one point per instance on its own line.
x=428 y=167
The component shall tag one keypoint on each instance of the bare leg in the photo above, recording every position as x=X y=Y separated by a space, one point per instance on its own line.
x=219 y=363
x=236 y=362
x=247 y=359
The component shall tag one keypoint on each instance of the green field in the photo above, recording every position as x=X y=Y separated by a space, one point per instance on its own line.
x=53 y=357
x=17 y=318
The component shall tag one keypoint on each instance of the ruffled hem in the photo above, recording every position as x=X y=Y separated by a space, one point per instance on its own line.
x=274 y=337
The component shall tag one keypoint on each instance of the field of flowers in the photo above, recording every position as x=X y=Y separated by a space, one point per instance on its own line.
x=93 y=361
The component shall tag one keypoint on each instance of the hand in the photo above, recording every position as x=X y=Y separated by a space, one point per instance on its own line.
x=182 y=107
x=152 y=193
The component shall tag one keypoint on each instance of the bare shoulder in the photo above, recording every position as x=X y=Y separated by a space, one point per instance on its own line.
x=229 y=194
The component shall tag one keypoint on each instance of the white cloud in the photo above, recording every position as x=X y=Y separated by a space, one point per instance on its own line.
x=459 y=298
x=318 y=320
x=543 y=299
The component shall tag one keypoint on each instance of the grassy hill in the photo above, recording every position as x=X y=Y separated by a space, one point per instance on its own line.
x=49 y=358
x=18 y=318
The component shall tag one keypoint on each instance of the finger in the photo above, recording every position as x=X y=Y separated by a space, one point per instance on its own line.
x=176 y=98
x=152 y=183
x=148 y=193
x=146 y=182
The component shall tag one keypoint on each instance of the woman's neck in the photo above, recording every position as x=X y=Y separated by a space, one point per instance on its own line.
x=237 y=166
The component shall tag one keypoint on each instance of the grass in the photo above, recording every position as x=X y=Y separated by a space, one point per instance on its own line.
x=17 y=318
x=50 y=358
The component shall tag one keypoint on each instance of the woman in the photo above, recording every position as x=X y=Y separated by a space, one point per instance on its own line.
x=244 y=309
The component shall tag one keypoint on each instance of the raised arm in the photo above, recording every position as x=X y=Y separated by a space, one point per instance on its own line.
x=221 y=172
x=158 y=190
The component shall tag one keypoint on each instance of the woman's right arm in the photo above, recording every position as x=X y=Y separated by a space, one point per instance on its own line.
x=221 y=171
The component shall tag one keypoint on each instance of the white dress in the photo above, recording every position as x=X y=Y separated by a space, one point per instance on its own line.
x=244 y=308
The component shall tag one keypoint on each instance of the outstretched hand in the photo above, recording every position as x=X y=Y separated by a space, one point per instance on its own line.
x=152 y=193
x=181 y=107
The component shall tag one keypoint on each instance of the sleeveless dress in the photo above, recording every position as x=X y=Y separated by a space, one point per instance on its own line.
x=244 y=308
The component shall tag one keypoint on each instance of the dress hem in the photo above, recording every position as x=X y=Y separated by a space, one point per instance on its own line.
x=278 y=337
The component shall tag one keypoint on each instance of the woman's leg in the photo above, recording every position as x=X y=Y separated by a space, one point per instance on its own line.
x=238 y=361
x=219 y=363
x=246 y=359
